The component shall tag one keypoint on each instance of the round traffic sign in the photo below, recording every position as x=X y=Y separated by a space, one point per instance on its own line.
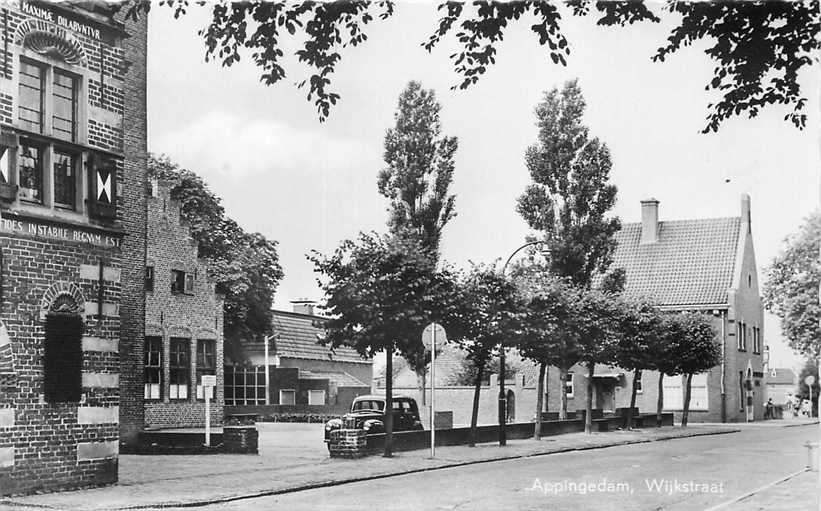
x=427 y=335
x=809 y=380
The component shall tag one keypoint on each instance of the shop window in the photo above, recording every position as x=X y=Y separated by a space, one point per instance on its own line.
x=64 y=99
x=153 y=367
x=568 y=385
x=149 y=278
x=206 y=364
x=30 y=171
x=287 y=397
x=30 y=98
x=316 y=397
x=65 y=180
x=180 y=367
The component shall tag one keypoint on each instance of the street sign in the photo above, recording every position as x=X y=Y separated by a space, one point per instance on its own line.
x=809 y=380
x=432 y=334
x=208 y=382
x=427 y=335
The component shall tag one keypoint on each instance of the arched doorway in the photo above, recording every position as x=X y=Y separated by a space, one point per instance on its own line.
x=63 y=351
x=511 y=406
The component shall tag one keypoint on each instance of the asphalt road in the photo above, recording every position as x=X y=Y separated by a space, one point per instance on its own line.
x=683 y=474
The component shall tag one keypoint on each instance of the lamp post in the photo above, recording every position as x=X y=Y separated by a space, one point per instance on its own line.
x=502 y=394
x=267 y=371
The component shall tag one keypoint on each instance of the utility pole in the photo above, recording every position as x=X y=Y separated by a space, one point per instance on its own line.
x=267 y=371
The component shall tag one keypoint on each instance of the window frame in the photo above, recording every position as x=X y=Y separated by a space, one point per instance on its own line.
x=26 y=124
x=76 y=164
x=74 y=100
x=202 y=368
x=324 y=397
x=293 y=393
x=177 y=282
x=149 y=278
x=158 y=367
x=41 y=170
x=179 y=375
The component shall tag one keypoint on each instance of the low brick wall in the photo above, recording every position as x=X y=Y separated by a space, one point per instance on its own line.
x=412 y=440
x=348 y=443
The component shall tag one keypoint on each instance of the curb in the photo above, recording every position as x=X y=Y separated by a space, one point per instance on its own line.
x=329 y=484
x=801 y=424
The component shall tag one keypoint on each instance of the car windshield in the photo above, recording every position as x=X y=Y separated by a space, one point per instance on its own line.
x=368 y=404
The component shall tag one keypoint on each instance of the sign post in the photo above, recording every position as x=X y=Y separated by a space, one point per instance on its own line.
x=429 y=338
x=209 y=381
x=809 y=380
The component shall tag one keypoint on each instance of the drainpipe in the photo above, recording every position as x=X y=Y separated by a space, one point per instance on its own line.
x=723 y=366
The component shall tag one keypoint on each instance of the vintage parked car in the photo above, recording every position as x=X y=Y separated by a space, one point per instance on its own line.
x=368 y=413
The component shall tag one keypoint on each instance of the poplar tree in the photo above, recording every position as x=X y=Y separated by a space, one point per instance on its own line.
x=416 y=180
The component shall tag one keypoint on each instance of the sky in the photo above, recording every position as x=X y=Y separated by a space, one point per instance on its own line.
x=309 y=185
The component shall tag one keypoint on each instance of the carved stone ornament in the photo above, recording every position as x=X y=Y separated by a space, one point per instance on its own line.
x=48 y=39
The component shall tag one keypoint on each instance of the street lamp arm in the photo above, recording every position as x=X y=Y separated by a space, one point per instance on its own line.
x=528 y=244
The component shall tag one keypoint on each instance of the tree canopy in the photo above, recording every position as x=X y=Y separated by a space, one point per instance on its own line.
x=758 y=47
x=792 y=287
x=571 y=194
x=244 y=265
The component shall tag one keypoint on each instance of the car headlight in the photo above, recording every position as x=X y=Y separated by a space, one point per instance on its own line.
x=333 y=424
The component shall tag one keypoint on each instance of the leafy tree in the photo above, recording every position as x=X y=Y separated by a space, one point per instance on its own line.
x=597 y=316
x=791 y=290
x=381 y=292
x=570 y=194
x=759 y=47
x=244 y=265
x=549 y=335
x=694 y=347
x=485 y=316
x=810 y=369
x=416 y=180
x=640 y=337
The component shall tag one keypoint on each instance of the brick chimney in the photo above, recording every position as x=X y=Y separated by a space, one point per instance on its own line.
x=745 y=212
x=649 y=220
x=304 y=306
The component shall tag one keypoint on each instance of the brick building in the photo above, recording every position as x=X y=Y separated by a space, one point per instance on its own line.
x=704 y=265
x=305 y=375
x=72 y=238
x=183 y=322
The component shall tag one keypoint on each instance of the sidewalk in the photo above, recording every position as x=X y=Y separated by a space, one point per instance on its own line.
x=799 y=493
x=166 y=481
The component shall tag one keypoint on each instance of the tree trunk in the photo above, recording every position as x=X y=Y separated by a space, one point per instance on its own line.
x=660 y=400
x=389 y=402
x=588 y=405
x=686 y=412
x=474 y=415
x=562 y=394
x=537 y=430
x=636 y=373
x=422 y=383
